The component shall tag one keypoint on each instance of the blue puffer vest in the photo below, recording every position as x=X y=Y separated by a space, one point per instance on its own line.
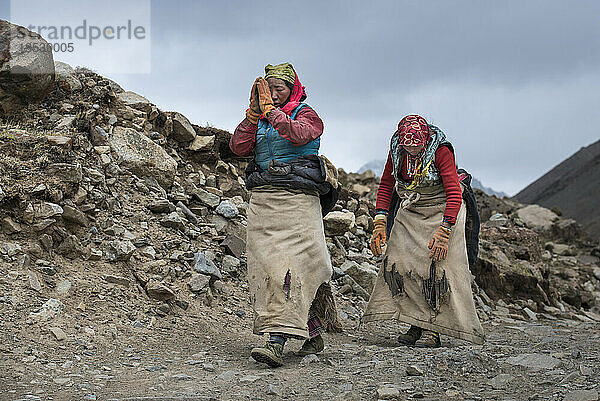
x=270 y=145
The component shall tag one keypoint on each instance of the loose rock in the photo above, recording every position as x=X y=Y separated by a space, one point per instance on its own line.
x=582 y=395
x=227 y=209
x=182 y=128
x=414 y=370
x=119 y=250
x=388 y=392
x=206 y=266
x=159 y=291
x=142 y=156
x=198 y=282
x=534 y=361
x=337 y=223
x=59 y=334
x=173 y=220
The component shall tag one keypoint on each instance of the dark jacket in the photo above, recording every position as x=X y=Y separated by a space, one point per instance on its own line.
x=306 y=173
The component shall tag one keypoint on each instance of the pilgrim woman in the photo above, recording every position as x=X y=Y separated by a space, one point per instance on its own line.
x=288 y=262
x=424 y=279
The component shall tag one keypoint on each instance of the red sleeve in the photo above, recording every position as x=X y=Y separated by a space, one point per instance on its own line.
x=243 y=139
x=444 y=161
x=306 y=127
x=386 y=186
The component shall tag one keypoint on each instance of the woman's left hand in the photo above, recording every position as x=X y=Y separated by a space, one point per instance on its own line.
x=439 y=244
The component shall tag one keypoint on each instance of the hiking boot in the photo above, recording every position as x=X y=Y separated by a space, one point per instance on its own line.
x=429 y=339
x=411 y=336
x=311 y=346
x=269 y=354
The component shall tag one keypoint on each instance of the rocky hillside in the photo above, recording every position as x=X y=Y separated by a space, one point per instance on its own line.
x=572 y=188
x=108 y=202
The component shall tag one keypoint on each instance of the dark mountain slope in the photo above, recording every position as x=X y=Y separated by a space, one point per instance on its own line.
x=573 y=187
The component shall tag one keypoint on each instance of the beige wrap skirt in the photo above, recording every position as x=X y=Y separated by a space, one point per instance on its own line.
x=412 y=289
x=287 y=258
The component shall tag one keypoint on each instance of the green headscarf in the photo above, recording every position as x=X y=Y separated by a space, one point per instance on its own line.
x=284 y=71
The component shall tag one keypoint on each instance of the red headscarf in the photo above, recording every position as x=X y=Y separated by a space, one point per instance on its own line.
x=413 y=130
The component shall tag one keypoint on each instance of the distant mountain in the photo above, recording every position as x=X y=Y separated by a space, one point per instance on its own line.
x=377 y=167
x=475 y=183
x=573 y=187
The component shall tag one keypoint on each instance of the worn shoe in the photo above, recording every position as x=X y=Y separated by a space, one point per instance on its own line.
x=270 y=354
x=312 y=346
x=429 y=339
x=411 y=336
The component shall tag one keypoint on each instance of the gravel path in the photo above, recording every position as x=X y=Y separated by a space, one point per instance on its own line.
x=187 y=358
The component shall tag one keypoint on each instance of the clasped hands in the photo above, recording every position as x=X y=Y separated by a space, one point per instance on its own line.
x=260 y=100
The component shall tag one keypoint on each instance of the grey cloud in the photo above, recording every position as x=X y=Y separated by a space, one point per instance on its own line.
x=514 y=84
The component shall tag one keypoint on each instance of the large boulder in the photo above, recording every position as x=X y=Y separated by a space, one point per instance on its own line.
x=135 y=101
x=361 y=189
x=337 y=223
x=25 y=76
x=181 y=129
x=142 y=156
x=65 y=77
x=537 y=218
x=202 y=143
x=510 y=265
x=568 y=230
x=364 y=274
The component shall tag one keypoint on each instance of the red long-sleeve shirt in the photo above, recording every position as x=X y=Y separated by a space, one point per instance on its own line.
x=444 y=162
x=306 y=127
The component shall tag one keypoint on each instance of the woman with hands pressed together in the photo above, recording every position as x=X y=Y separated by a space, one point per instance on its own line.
x=292 y=187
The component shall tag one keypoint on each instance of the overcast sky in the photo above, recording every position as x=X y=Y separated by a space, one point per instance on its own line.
x=515 y=85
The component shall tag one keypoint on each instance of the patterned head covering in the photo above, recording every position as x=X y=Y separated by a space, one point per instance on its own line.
x=284 y=71
x=413 y=130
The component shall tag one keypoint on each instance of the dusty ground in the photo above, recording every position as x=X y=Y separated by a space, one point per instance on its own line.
x=186 y=357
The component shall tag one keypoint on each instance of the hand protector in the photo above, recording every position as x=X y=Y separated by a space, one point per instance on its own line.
x=439 y=244
x=378 y=238
x=265 y=102
x=253 y=112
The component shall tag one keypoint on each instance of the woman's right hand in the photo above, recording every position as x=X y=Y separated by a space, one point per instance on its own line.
x=378 y=238
x=253 y=112
x=254 y=97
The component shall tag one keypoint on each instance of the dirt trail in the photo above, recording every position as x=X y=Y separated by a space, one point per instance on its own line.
x=189 y=358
